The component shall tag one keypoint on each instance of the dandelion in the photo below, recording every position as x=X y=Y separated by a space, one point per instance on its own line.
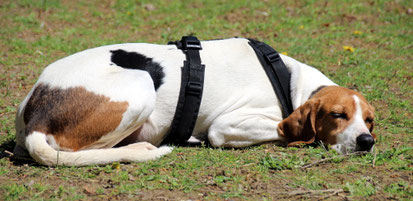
x=348 y=48
x=357 y=32
x=284 y=53
x=115 y=166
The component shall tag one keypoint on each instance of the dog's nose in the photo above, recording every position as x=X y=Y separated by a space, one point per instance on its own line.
x=365 y=142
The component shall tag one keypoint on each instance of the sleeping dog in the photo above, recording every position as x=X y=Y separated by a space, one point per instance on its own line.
x=85 y=104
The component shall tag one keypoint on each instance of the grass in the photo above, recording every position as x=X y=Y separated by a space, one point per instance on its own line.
x=36 y=33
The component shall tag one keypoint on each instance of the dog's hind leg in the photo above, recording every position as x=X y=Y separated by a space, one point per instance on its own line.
x=43 y=153
x=85 y=126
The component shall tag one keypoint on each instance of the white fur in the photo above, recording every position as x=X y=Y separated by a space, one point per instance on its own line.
x=346 y=141
x=43 y=153
x=239 y=107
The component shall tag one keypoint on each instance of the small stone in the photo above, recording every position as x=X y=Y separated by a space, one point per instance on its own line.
x=149 y=7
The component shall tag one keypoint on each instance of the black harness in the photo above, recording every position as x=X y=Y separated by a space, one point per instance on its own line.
x=192 y=81
x=276 y=72
x=190 y=94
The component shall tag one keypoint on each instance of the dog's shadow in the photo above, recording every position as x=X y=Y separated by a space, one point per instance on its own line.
x=6 y=148
x=6 y=151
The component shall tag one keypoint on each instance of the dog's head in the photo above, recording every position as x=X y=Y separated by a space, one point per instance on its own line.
x=335 y=115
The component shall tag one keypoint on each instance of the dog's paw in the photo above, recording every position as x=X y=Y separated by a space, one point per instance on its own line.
x=140 y=146
x=165 y=150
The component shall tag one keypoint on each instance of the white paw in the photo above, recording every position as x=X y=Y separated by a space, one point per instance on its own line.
x=140 y=146
x=165 y=149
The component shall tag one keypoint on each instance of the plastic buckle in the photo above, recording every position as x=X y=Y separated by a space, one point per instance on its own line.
x=272 y=56
x=190 y=42
x=194 y=88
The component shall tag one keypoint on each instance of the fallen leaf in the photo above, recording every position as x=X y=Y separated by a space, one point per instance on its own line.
x=131 y=178
x=88 y=190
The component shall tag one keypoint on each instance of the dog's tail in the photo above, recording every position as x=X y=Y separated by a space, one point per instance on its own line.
x=38 y=148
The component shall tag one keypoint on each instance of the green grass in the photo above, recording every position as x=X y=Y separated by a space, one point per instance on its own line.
x=36 y=33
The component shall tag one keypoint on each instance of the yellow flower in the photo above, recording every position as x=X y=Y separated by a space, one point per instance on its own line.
x=348 y=48
x=115 y=166
x=284 y=53
x=301 y=27
x=357 y=32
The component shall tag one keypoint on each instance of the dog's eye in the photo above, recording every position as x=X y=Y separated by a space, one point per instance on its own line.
x=369 y=120
x=339 y=115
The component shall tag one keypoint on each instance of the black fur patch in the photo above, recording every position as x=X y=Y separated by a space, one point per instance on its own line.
x=317 y=90
x=134 y=60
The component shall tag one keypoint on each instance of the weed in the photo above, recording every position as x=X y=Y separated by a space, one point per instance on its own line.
x=277 y=163
x=362 y=187
x=14 y=191
x=401 y=188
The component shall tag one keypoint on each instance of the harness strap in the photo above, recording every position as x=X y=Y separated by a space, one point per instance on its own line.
x=276 y=72
x=190 y=94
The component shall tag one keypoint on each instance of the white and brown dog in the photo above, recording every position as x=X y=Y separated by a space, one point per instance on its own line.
x=85 y=104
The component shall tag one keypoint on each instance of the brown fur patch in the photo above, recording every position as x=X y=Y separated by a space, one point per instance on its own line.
x=74 y=116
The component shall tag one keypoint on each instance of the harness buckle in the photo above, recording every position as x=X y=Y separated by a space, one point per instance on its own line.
x=191 y=42
x=272 y=56
x=194 y=88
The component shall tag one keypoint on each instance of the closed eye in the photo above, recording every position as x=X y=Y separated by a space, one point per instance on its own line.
x=339 y=115
x=369 y=120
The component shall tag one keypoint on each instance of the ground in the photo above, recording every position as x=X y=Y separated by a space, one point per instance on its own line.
x=363 y=45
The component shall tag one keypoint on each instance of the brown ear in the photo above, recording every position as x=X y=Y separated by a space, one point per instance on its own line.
x=372 y=123
x=299 y=127
x=371 y=130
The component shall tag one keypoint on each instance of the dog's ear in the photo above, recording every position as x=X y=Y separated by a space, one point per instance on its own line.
x=371 y=130
x=299 y=127
x=372 y=123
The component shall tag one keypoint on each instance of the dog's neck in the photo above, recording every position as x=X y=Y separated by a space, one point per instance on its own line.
x=304 y=80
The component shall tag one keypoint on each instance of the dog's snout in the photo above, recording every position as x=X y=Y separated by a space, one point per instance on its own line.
x=365 y=142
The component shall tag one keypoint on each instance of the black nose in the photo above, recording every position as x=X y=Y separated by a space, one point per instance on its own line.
x=365 y=142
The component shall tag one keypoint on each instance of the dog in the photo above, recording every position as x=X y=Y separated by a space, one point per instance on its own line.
x=126 y=95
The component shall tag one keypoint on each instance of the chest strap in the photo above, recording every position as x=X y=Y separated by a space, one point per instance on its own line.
x=190 y=94
x=276 y=72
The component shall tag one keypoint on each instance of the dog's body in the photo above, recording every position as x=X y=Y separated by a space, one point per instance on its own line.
x=86 y=103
